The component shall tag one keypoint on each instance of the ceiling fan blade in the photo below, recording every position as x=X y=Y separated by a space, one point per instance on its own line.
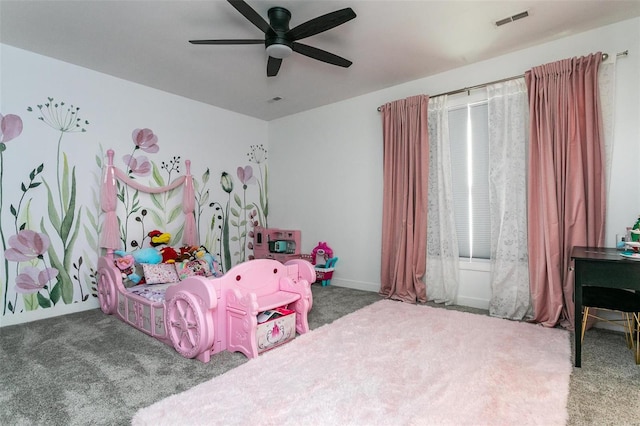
x=273 y=66
x=321 y=55
x=253 y=16
x=321 y=23
x=241 y=41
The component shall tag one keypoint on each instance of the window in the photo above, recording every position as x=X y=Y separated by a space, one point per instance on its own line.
x=469 y=139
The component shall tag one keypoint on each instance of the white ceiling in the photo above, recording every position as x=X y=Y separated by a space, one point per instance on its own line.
x=389 y=42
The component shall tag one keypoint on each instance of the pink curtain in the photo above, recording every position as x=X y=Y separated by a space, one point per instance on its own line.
x=566 y=179
x=188 y=207
x=404 y=210
x=110 y=237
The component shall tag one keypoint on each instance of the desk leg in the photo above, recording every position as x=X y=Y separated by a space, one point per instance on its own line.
x=577 y=299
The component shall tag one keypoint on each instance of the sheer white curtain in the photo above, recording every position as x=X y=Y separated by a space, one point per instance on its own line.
x=607 y=89
x=442 y=276
x=508 y=146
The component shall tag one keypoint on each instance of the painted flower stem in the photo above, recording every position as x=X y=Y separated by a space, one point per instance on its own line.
x=4 y=244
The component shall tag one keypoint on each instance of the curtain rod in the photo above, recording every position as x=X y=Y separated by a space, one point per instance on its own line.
x=605 y=56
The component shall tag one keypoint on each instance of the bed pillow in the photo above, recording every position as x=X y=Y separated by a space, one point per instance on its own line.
x=160 y=273
x=189 y=268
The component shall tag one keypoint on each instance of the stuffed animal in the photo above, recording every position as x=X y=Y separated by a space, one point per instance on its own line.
x=159 y=240
x=144 y=255
x=126 y=265
x=204 y=254
x=187 y=253
x=321 y=250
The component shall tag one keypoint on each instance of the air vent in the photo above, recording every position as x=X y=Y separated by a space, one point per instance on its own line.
x=512 y=18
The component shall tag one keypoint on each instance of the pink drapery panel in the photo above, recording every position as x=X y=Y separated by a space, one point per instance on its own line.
x=567 y=201
x=404 y=210
x=188 y=206
x=110 y=238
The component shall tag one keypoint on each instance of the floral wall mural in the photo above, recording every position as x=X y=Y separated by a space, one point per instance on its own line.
x=52 y=151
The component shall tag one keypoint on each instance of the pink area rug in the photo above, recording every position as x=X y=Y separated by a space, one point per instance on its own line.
x=390 y=363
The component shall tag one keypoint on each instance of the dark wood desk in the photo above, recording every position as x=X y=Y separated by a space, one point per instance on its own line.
x=599 y=267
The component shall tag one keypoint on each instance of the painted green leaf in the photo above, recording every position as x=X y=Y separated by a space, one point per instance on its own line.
x=67 y=284
x=89 y=235
x=30 y=301
x=174 y=192
x=237 y=199
x=177 y=211
x=55 y=293
x=234 y=223
x=92 y=219
x=155 y=217
x=235 y=212
x=155 y=198
x=67 y=222
x=177 y=238
x=43 y=302
x=65 y=181
x=157 y=177
x=225 y=241
x=51 y=209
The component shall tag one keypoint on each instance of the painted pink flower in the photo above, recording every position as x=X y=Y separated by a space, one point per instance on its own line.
x=32 y=280
x=27 y=245
x=10 y=127
x=139 y=166
x=145 y=140
x=246 y=175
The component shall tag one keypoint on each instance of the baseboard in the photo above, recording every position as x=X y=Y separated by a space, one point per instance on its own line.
x=356 y=285
x=472 y=302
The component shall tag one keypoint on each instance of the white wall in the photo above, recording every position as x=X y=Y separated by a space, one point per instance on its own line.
x=326 y=164
x=210 y=137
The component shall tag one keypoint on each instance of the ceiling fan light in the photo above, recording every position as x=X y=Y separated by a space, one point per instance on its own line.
x=278 y=51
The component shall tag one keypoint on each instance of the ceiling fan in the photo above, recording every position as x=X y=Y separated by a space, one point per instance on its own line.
x=280 y=41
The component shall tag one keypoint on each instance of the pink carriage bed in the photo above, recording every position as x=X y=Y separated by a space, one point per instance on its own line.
x=199 y=316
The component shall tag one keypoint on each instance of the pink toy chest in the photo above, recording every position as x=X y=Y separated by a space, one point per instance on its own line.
x=276 y=332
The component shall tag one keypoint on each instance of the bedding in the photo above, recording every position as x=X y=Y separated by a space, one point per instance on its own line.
x=152 y=292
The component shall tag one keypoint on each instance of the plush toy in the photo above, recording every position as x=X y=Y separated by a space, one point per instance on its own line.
x=204 y=254
x=144 y=255
x=126 y=265
x=159 y=240
x=323 y=250
x=187 y=253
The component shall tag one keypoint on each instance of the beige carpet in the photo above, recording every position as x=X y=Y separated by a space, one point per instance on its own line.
x=391 y=363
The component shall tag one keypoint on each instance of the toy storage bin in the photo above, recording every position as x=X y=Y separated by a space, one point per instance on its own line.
x=277 y=331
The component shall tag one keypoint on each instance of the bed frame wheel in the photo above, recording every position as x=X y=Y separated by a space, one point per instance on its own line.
x=190 y=331
x=107 y=295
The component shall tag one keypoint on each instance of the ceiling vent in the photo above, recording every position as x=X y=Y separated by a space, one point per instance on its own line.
x=512 y=18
